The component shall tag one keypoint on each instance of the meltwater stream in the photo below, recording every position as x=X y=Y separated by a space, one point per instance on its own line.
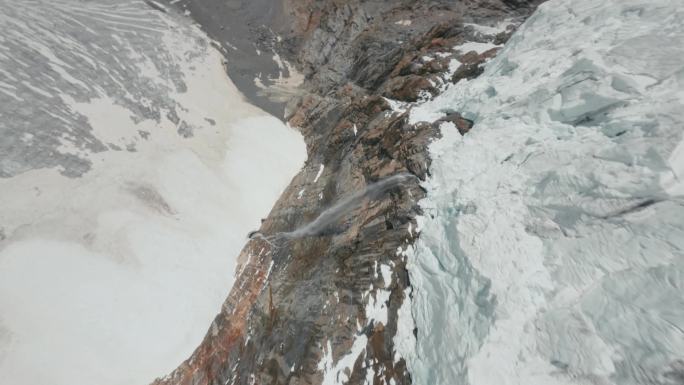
x=333 y=213
x=130 y=170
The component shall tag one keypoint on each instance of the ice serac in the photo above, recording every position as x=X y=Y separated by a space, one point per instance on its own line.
x=551 y=250
x=320 y=287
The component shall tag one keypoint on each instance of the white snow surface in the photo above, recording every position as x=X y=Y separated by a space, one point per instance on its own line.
x=551 y=251
x=490 y=30
x=113 y=278
x=475 y=46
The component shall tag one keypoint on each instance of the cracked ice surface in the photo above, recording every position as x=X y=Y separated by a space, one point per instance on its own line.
x=552 y=249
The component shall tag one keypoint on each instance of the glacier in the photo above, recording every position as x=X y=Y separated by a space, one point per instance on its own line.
x=551 y=245
x=131 y=170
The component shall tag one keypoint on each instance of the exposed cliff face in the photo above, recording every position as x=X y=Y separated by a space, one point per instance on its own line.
x=319 y=286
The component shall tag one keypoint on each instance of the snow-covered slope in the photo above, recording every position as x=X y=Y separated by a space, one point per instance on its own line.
x=552 y=246
x=131 y=170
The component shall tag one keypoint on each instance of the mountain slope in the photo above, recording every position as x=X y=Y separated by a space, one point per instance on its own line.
x=319 y=286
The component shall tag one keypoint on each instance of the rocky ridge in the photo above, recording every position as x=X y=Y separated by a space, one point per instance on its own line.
x=321 y=305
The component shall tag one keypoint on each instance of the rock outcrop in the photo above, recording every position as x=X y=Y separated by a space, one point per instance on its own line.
x=322 y=303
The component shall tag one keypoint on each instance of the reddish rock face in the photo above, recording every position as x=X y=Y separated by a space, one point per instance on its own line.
x=298 y=292
x=462 y=124
x=408 y=88
x=472 y=64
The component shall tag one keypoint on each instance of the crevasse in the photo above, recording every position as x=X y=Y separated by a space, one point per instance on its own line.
x=551 y=248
